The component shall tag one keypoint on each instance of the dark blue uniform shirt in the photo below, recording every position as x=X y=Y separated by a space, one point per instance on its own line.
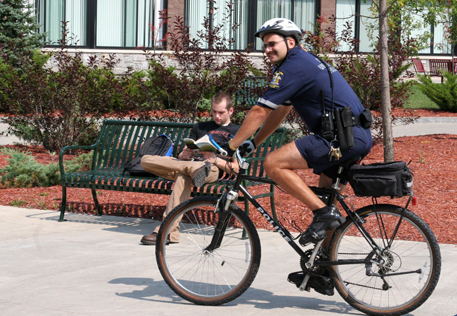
x=299 y=82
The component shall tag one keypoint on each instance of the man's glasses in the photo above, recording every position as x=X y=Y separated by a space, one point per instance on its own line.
x=270 y=45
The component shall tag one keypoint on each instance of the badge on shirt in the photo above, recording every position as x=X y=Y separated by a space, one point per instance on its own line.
x=277 y=77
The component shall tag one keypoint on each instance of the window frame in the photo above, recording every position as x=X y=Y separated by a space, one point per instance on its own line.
x=252 y=20
x=90 y=30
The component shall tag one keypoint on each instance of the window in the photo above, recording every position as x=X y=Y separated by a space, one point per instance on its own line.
x=102 y=23
x=438 y=43
x=197 y=10
x=52 y=13
x=250 y=14
x=357 y=12
x=302 y=12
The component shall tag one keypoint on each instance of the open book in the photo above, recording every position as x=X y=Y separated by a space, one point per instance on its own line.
x=201 y=144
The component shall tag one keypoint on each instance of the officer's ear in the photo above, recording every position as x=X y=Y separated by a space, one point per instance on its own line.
x=291 y=42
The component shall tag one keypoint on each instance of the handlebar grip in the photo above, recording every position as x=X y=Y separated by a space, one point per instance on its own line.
x=222 y=151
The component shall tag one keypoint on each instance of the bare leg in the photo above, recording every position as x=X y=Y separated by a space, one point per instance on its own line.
x=280 y=166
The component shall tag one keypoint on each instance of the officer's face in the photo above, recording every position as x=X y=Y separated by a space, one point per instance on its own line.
x=275 y=47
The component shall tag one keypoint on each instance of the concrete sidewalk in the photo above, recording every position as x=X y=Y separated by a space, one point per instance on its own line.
x=93 y=265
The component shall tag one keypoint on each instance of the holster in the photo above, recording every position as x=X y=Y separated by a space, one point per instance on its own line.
x=344 y=124
x=346 y=118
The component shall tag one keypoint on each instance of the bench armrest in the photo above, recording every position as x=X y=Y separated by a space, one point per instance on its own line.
x=63 y=150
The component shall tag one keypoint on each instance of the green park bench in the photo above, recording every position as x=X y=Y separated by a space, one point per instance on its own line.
x=120 y=141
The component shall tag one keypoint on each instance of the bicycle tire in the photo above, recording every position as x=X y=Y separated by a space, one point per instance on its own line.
x=208 y=277
x=414 y=248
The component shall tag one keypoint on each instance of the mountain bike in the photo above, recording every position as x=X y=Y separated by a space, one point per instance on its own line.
x=383 y=260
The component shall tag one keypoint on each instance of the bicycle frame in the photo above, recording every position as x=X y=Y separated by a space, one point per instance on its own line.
x=232 y=194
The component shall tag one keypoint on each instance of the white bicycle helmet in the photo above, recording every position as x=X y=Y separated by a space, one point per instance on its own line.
x=281 y=26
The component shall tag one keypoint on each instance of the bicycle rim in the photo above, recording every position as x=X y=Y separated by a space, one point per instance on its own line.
x=208 y=277
x=406 y=245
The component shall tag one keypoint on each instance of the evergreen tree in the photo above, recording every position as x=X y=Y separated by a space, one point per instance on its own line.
x=18 y=28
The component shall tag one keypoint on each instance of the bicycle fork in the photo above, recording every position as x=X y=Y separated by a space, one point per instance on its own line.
x=222 y=207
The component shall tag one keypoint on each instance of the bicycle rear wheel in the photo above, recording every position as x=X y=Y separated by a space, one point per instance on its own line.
x=407 y=266
x=201 y=275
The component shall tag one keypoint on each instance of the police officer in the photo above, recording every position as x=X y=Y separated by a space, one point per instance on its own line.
x=299 y=80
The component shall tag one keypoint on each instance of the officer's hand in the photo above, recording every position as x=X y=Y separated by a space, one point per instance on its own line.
x=247 y=148
x=228 y=149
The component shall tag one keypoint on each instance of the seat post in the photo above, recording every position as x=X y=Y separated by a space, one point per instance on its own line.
x=336 y=185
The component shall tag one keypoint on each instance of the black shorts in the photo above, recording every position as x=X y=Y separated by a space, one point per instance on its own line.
x=315 y=149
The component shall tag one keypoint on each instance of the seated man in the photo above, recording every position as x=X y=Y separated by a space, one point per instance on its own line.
x=186 y=170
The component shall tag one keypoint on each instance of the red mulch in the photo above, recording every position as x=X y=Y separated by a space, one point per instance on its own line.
x=433 y=161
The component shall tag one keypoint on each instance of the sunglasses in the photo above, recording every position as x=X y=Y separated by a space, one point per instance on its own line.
x=270 y=45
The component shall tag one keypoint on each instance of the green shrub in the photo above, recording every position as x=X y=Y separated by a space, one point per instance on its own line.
x=62 y=107
x=82 y=162
x=444 y=94
x=23 y=171
x=205 y=68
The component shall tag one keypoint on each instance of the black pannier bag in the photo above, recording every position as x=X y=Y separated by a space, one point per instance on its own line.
x=160 y=145
x=392 y=179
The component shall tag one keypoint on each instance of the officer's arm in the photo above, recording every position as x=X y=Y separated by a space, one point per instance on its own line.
x=256 y=116
x=272 y=122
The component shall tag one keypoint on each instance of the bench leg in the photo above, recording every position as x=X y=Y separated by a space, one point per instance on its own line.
x=97 y=205
x=64 y=204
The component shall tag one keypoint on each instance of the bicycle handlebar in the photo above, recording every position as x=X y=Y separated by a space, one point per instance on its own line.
x=241 y=162
x=222 y=151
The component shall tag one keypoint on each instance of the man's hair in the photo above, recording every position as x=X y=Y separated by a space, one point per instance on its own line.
x=220 y=97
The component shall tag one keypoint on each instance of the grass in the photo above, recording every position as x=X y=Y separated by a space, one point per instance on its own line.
x=418 y=100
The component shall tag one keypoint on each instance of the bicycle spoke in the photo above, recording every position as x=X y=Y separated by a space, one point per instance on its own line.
x=204 y=274
x=404 y=271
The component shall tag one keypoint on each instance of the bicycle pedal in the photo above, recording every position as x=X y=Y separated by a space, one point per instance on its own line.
x=297 y=279
x=321 y=284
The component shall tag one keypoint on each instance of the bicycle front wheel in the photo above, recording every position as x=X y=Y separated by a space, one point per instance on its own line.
x=199 y=268
x=404 y=270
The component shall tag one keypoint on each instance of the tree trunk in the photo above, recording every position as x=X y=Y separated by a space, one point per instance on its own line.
x=385 y=85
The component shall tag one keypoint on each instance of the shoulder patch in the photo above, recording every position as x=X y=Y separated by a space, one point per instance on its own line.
x=275 y=81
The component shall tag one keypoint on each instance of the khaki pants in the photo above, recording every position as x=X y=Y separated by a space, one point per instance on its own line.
x=181 y=172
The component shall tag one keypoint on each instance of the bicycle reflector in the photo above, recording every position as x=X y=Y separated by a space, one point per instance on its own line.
x=414 y=201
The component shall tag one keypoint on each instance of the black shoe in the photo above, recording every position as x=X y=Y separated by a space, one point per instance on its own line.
x=326 y=218
x=199 y=175
x=321 y=284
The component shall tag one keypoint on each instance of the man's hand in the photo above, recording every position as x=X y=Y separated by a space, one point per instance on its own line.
x=186 y=154
x=209 y=156
x=247 y=148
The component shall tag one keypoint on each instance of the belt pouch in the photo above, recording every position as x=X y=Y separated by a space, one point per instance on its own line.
x=366 y=118
x=346 y=118
x=339 y=130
